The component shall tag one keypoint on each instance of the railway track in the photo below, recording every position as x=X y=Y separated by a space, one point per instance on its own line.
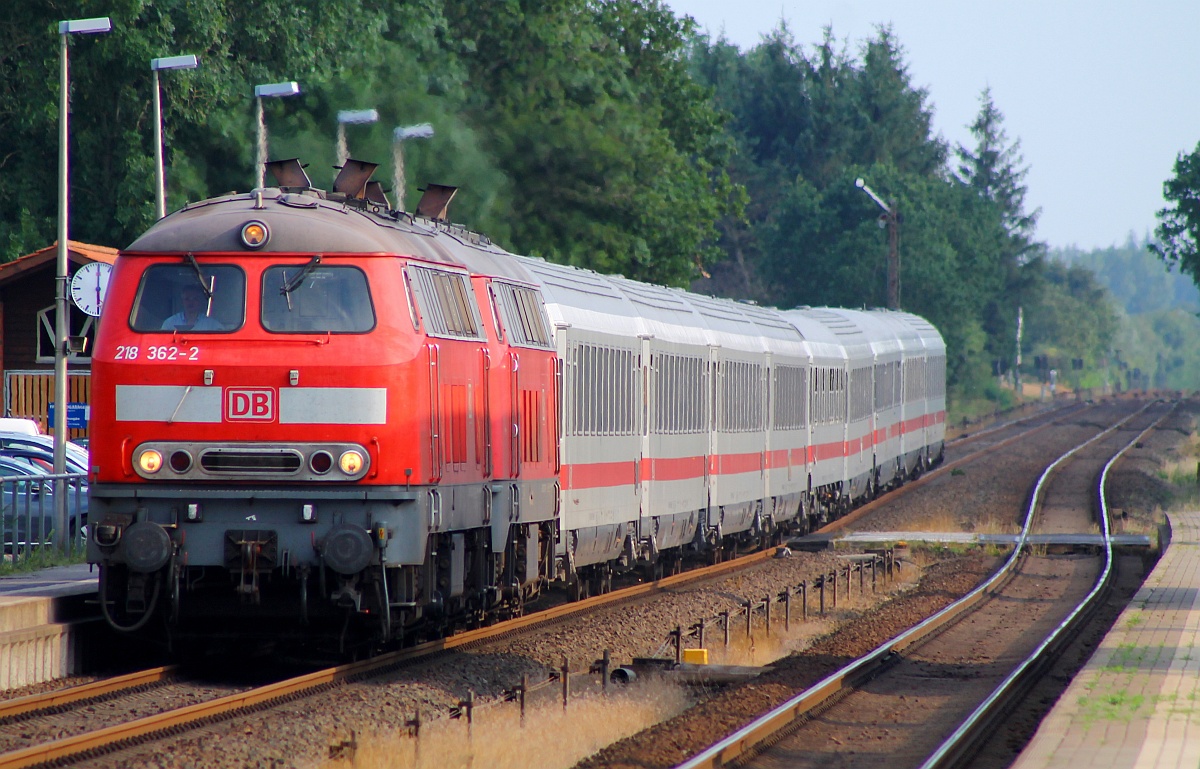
x=83 y=746
x=890 y=701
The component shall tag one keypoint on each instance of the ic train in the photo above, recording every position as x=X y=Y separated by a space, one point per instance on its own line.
x=318 y=418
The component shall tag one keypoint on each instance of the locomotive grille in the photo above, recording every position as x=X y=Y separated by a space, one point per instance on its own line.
x=251 y=461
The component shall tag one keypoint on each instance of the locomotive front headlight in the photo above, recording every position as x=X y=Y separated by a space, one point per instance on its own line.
x=150 y=461
x=351 y=462
x=255 y=234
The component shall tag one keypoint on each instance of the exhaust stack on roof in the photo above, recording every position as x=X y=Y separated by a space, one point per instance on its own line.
x=435 y=201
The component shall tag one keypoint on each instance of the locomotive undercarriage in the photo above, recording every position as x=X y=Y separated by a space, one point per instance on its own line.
x=341 y=572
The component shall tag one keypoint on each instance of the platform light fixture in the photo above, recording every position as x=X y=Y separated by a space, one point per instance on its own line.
x=62 y=325
x=268 y=91
x=351 y=117
x=157 y=65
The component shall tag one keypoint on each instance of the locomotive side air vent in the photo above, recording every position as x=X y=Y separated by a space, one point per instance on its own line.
x=248 y=461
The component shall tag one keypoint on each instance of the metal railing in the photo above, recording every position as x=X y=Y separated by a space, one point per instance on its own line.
x=29 y=516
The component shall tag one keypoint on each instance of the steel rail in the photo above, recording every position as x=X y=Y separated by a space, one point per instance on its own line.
x=744 y=741
x=90 y=691
x=860 y=512
x=1057 y=412
x=965 y=738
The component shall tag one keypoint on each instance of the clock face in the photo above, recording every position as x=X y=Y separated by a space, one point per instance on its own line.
x=89 y=287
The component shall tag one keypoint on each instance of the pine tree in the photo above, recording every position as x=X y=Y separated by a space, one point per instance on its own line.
x=995 y=171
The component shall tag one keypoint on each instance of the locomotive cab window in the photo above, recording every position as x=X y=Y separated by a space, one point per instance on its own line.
x=307 y=298
x=199 y=298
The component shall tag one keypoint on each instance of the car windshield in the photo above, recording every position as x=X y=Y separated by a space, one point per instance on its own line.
x=188 y=296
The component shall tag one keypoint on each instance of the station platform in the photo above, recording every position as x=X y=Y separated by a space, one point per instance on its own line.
x=1136 y=703
x=44 y=616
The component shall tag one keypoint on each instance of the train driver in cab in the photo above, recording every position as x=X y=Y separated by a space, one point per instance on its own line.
x=195 y=313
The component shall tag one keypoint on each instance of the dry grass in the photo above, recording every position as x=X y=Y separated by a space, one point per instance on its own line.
x=591 y=722
x=948 y=520
x=497 y=740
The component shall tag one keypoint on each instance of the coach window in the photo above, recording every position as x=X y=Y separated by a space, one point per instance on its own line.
x=312 y=298
x=201 y=298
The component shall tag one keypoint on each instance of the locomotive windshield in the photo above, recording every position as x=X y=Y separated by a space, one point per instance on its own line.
x=303 y=298
x=209 y=298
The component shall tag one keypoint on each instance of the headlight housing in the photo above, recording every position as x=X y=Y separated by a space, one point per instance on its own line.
x=150 y=461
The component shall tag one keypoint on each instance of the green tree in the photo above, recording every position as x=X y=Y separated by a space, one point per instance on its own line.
x=112 y=175
x=587 y=109
x=1178 y=228
x=993 y=172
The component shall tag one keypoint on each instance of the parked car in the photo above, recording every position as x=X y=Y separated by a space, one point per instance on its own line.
x=43 y=445
x=19 y=425
x=27 y=501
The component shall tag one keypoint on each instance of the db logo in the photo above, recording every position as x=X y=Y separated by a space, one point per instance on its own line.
x=250 y=405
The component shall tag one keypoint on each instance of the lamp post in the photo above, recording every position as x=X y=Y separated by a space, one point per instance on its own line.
x=419 y=131
x=891 y=220
x=61 y=319
x=268 y=91
x=351 y=117
x=157 y=65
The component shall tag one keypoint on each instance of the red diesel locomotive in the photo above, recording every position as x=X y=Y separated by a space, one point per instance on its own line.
x=318 y=418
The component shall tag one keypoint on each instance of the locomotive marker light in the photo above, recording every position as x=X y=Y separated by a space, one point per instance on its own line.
x=156 y=65
x=352 y=117
x=890 y=220
x=268 y=91
x=402 y=133
x=62 y=324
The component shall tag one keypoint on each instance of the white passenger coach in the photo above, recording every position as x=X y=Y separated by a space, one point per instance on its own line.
x=689 y=421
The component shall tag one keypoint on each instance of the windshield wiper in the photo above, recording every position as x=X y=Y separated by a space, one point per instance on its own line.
x=190 y=258
x=290 y=285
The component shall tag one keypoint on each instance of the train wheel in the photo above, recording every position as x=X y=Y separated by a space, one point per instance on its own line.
x=577 y=589
x=601 y=581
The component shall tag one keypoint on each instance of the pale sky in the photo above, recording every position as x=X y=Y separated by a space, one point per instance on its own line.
x=1103 y=95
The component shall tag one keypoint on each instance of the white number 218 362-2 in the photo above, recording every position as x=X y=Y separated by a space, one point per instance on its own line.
x=157 y=352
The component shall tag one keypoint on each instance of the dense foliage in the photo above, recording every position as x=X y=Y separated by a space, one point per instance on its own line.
x=601 y=133
x=1179 y=223
x=1155 y=344
x=808 y=122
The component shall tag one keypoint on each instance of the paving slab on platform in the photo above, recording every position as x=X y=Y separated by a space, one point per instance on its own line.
x=1136 y=703
x=76 y=579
